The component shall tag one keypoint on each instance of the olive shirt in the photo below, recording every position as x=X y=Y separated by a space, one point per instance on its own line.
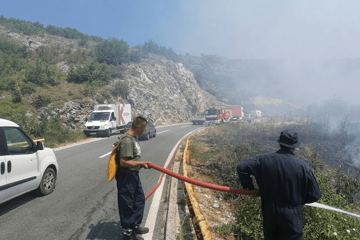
x=129 y=148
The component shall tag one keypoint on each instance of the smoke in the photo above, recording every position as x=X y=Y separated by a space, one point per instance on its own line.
x=273 y=29
x=311 y=46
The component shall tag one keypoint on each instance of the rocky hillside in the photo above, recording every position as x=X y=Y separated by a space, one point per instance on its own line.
x=161 y=90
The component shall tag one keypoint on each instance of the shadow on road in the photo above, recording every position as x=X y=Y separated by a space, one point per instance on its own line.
x=17 y=202
x=105 y=230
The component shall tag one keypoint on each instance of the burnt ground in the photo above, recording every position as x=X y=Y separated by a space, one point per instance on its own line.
x=217 y=151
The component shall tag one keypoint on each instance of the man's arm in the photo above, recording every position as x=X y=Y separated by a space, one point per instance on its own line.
x=313 y=192
x=245 y=169
x=124 y=162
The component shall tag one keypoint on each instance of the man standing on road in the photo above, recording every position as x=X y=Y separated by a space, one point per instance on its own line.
x=131 y=198
x=286 y=183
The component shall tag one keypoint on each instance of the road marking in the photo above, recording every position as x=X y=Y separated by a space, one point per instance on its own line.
x=185 y=126
x=77 y=144
x=105 y=155
x=162 y=132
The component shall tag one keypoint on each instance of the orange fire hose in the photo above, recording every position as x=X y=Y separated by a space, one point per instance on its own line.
x=199 y=183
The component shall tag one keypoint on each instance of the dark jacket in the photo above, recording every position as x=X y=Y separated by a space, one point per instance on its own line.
x=283 y=179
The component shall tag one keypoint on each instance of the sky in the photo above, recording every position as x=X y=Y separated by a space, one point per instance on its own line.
x=235 y=29
x=229 y=28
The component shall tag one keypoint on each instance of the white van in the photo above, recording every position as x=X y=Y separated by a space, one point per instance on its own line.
x=24 y=164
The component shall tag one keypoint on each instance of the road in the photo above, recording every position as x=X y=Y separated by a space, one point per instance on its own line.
x=83 y=205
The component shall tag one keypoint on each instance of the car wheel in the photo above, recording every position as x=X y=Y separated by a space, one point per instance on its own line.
x=154 y=134
x=147 y=136
x=47 y=184
x=108 y=133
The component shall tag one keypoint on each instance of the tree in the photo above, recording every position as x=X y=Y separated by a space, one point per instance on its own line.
x=112 y=51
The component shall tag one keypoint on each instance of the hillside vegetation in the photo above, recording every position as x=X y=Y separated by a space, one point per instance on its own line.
x=223 y=148
x=50 y=78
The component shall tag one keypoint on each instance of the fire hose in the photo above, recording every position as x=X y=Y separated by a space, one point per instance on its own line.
x=199 y=183
x=231 y=190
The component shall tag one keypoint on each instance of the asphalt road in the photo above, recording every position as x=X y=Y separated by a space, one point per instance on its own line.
x=83 y=205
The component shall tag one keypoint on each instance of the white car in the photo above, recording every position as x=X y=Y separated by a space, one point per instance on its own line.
x=24 y=165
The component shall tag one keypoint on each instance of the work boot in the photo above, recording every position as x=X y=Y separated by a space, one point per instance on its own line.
x=141 y=230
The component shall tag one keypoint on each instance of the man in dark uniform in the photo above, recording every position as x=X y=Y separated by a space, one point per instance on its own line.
x=131 y=198
x=286 y=183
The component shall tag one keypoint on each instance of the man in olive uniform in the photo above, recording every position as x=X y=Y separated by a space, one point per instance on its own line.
x=286 y=183
x=131 y=198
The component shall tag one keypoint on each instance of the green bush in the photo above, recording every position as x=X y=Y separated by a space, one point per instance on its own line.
x=82 y=42
x=16 y=95
x=7 y=83
x=27 y=88
x=42 y=74
x=12 y=111
x=121 y=88
x=136 y=55
x=11 y=62
x=92 y=72
x=41 y=100
x=152 y=47
x=112 y=51
x=49 y=54
x=9 y=47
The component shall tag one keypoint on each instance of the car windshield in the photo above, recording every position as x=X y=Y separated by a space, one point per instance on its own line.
x=99 y=116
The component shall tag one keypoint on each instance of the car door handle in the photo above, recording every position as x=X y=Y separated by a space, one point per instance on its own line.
x=2 y=168
x=9 y=166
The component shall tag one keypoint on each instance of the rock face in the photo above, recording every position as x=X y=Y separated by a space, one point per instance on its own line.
x=165 y=92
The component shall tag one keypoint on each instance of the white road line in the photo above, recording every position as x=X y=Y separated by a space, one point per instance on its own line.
x=105 y=155
x=77 y=144
x=185 y=126
x=162 y=132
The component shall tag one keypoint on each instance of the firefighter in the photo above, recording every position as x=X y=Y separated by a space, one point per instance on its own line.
x=131 y=198
x=285 y=183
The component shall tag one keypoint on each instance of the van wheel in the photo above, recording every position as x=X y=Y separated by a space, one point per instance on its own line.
x=47 y=184
x=108 y=133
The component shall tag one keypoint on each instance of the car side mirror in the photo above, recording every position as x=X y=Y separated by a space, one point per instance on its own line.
x=86 y=119
x=39 y=145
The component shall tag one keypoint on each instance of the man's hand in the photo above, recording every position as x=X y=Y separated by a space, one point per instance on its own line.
x=145 y=165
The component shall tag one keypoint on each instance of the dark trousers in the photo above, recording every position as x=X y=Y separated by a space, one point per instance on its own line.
x=282 y=223
x=131 y=200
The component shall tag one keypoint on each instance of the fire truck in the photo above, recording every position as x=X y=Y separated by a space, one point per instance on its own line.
x=224 y=114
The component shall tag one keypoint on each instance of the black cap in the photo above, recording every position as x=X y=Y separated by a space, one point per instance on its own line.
x=289 y=139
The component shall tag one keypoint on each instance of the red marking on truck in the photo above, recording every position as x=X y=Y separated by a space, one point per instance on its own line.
x=121 y=119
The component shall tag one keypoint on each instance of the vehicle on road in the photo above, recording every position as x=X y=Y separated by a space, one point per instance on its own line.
x=107 y=119
x=224 y=114
x=25 y=165
x=198 y=118
x=149 y=132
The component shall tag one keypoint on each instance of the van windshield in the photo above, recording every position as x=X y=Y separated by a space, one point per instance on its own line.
x=99 y=116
